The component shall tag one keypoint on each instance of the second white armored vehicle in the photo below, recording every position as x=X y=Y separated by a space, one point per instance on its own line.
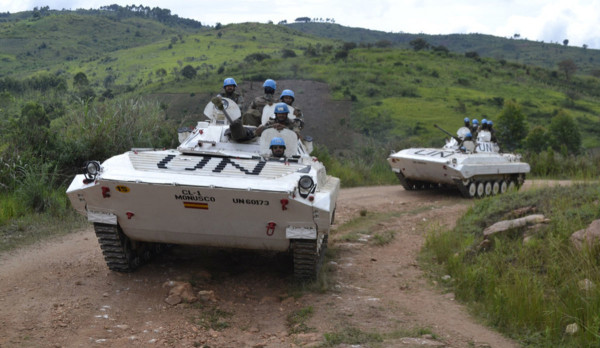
x=476 y=169
x=210 y=191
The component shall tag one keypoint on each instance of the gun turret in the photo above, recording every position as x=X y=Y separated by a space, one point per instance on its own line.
x=458 y=140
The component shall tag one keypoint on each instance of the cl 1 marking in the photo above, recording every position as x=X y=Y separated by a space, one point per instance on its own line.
x=122 y=188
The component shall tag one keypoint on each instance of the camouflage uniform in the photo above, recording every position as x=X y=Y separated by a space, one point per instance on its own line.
x=253 y=116
x=299 y=116
x=289 y=124
x=235 y=96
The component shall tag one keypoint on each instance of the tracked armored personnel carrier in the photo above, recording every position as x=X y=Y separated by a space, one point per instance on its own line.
x=476 y=169
x=210 y=191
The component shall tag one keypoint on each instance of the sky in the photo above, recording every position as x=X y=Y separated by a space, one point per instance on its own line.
x=541 y=20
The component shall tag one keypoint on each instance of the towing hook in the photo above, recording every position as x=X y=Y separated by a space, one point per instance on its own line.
x=271 y=228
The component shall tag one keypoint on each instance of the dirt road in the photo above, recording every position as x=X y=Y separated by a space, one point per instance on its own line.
x=61 y=294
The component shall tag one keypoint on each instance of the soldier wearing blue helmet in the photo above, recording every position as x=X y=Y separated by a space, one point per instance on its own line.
x=277 y=147
x=253 y=116
x=287 y=96
x=281 y=120
x=474 y=128
x=229 y=91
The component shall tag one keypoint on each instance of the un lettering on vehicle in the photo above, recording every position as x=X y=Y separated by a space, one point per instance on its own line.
x=485 y=147
x=433 y=153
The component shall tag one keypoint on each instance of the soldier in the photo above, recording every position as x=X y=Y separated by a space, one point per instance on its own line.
x=277 y=147
x=287 y=96
x=492 y=131
x=253 y=116
x=462 y=131
x=229 y=87
x=281 y=121
x=474 y=128
x=483 y=134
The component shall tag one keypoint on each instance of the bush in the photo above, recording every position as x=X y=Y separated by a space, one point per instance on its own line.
x=188 y=72
x=287 y=53
x=258 y=57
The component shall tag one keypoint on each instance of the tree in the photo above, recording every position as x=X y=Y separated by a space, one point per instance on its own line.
x=565 y=42
x=302 y=19
x=419 y=44
x=537 y=140
x=287 y=53
x=188 y=72
x=568 y=67
x=563 y=131
x=80 y=80
x=511 y=128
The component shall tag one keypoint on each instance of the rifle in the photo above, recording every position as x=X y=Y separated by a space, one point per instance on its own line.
x=458 y=140
x=218 y=102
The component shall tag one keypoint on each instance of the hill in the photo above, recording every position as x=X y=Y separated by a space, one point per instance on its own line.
x=394 y=94
x=44 y=39
x=543 y=54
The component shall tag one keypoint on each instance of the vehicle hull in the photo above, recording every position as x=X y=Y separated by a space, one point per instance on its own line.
x=443 y=166
x=198 y=207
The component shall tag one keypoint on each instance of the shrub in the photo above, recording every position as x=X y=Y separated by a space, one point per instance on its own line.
x=258 y=57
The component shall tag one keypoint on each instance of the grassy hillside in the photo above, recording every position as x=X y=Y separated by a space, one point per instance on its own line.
x=30 y=43
x=523 y=51
x=397 y=94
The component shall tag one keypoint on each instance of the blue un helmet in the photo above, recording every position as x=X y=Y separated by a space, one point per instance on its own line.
x=475 y=121
x=281 y=108
x=277 y=141
x=484 y=121
x=468 y=135
x=466 y=119
x=229 y=82
x=490 y=123
x=270 y=83
x=287 y=93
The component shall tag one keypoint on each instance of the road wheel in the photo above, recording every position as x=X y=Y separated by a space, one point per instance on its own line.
x=488 y=188
x=503 y=186
x=511 y=185
x=495 y=188
x=480 y=189
x=472 y=189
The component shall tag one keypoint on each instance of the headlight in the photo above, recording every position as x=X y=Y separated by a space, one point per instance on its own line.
x=306 y=182
x=306 y=185
x=91 y=169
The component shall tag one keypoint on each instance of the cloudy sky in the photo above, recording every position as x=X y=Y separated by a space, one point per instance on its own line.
x=542 y=20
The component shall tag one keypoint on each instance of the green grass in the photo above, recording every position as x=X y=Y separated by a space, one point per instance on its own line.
x=296 y=321
x=528 y=290
x=30 y=228
x=212 y=318
x=351 y=335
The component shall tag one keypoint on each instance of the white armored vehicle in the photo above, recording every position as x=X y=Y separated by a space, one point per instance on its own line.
x=210 y=191
x=476 y=168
